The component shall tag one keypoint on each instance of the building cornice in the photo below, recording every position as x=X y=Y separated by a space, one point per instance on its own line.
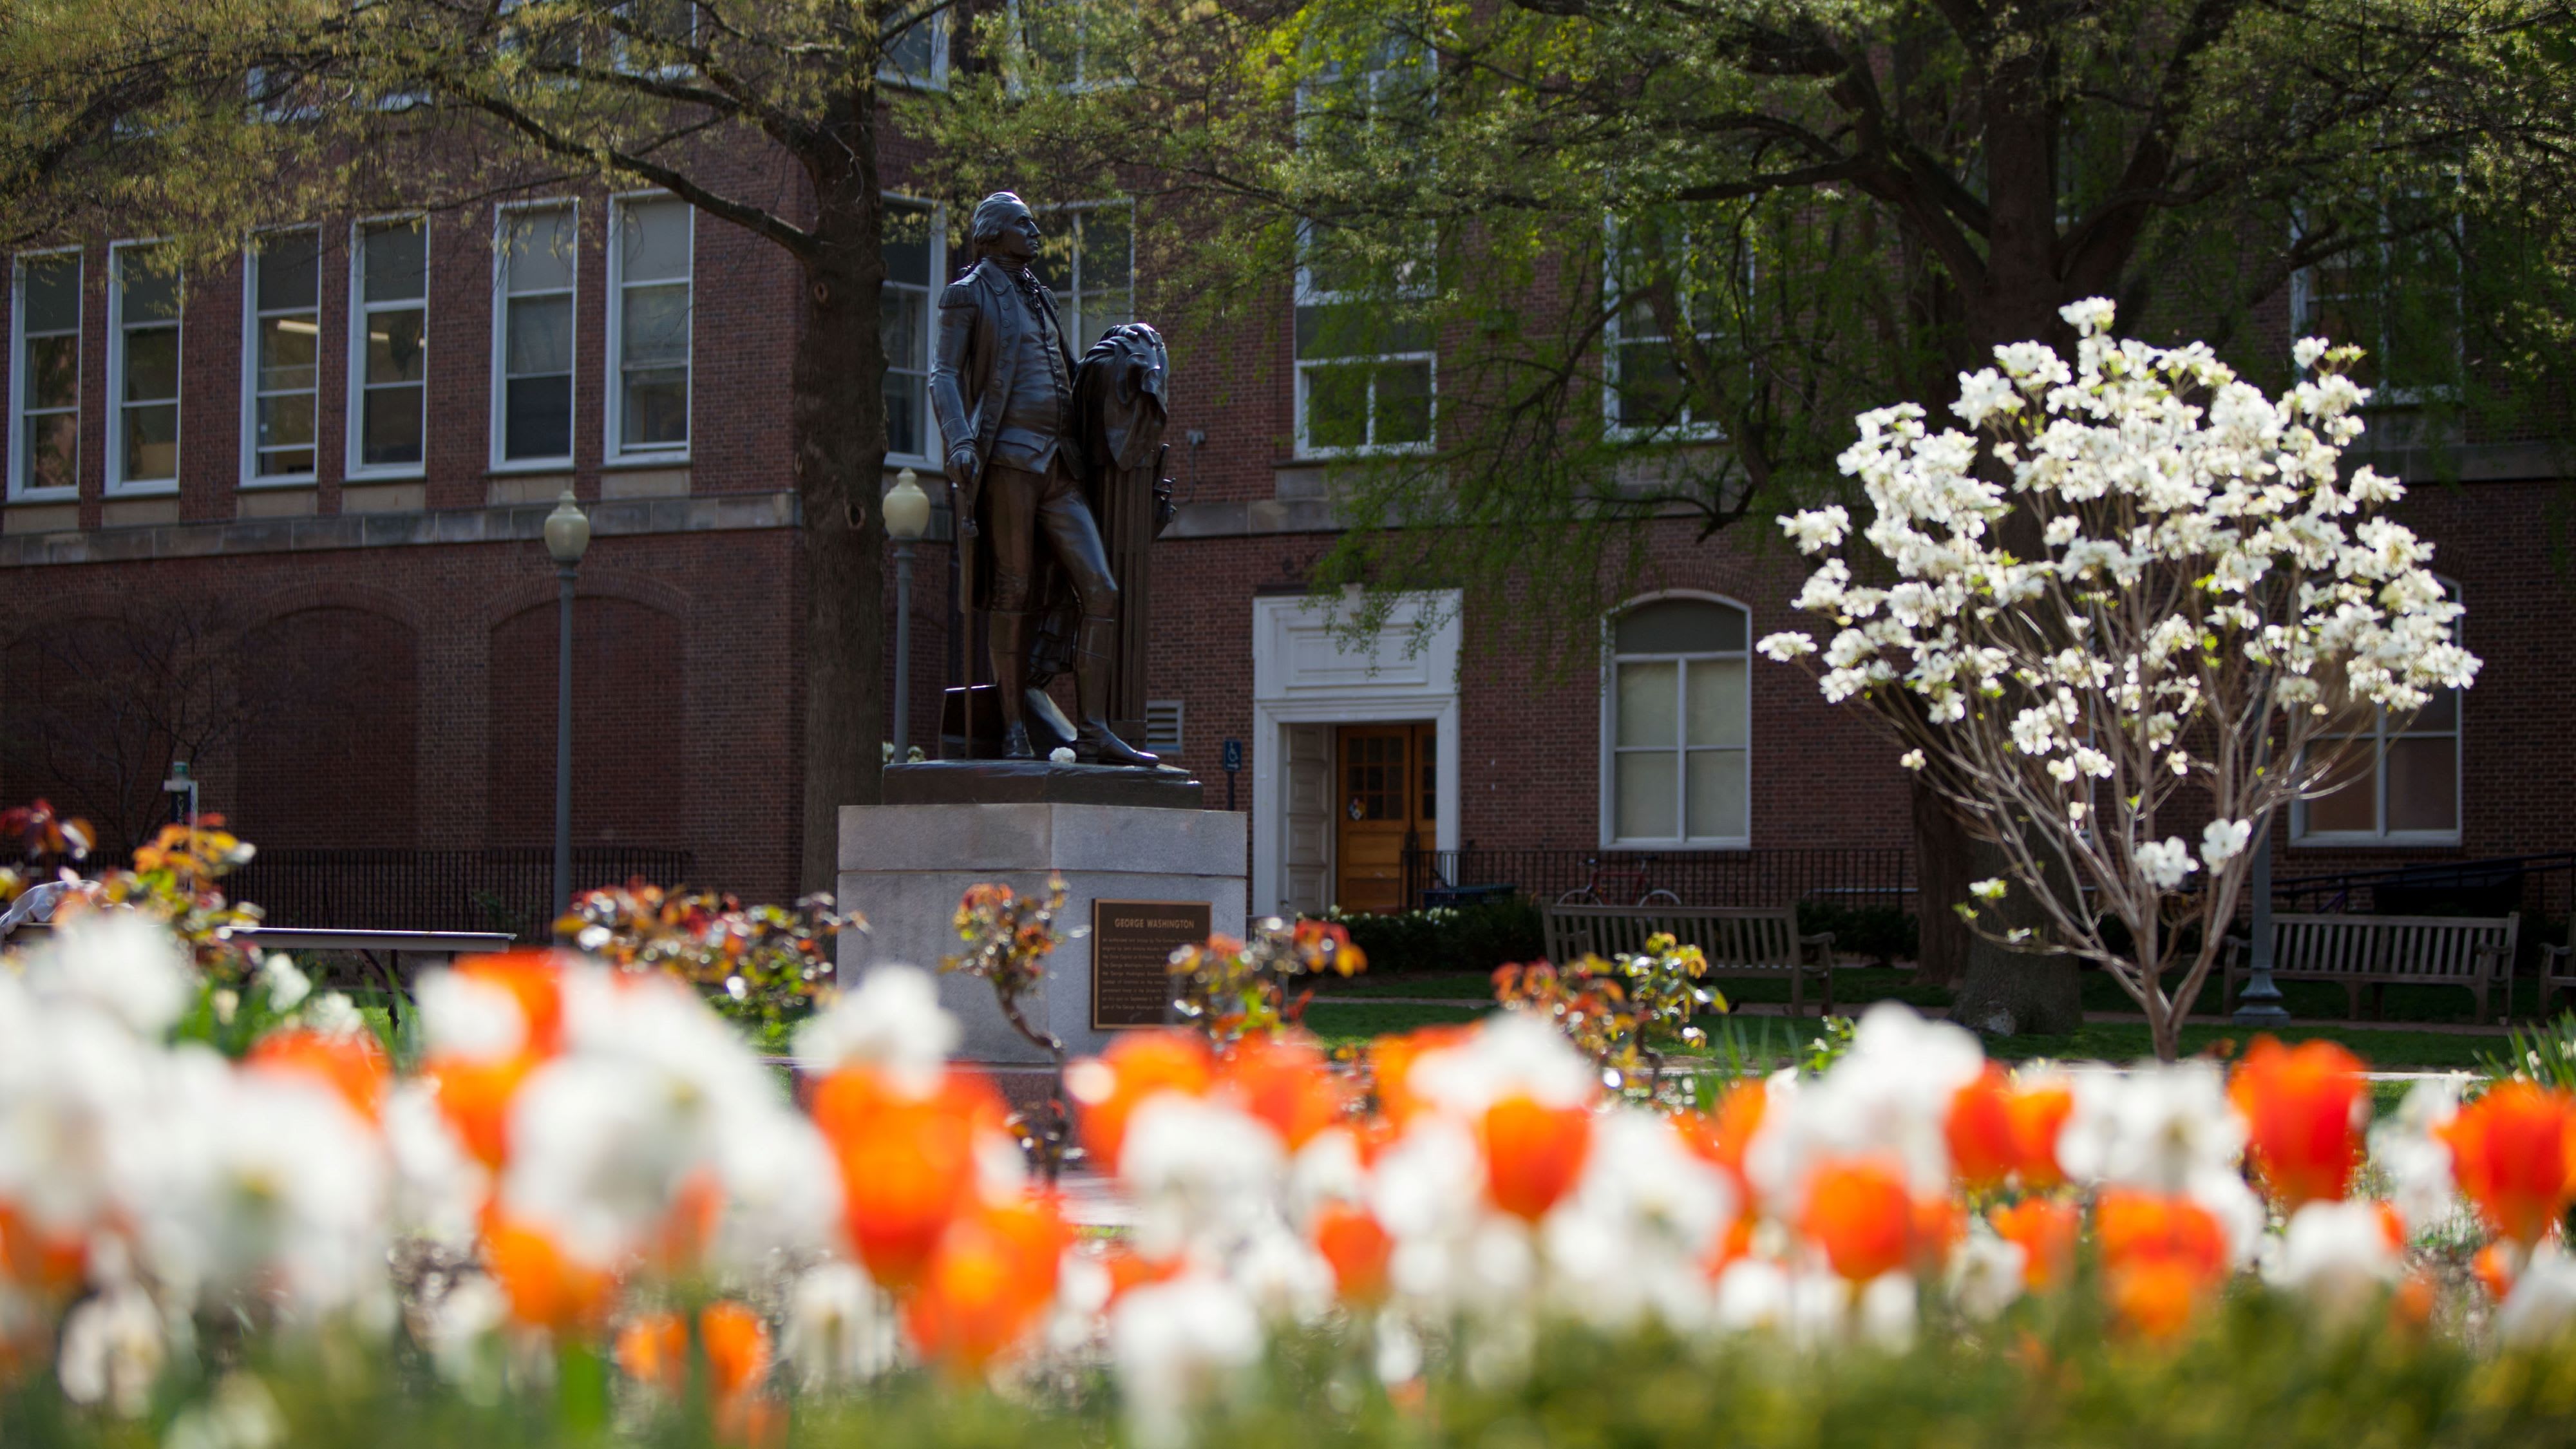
x=609 y=518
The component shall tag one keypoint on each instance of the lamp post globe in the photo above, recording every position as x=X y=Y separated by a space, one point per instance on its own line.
x=907 y=508
x=567 y=531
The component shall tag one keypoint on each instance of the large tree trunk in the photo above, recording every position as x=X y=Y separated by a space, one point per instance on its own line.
x=838 y=418
x=2013 y=993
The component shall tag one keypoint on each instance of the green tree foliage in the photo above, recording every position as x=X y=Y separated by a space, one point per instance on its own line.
x=202 y=120
x=1665 y=250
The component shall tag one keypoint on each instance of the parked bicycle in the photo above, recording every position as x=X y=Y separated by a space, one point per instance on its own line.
x=1619 y=885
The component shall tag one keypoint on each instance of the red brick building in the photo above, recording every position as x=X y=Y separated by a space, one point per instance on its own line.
x=283 y=522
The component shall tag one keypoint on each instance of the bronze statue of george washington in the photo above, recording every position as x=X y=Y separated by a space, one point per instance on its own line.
x=1002 y=385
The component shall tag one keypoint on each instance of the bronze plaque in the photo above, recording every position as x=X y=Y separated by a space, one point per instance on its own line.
x=1131 y=953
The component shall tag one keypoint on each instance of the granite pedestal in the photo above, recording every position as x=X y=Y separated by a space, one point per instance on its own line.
x=904 y=866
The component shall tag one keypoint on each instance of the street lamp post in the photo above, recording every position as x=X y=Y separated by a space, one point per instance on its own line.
x=567 y=538
x=907 y=518
x=2259 y=1004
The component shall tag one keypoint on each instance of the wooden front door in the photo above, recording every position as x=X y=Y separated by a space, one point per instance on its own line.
x=1386 y=801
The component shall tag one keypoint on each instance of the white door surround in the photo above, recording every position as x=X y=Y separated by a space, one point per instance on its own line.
x=1303 y=673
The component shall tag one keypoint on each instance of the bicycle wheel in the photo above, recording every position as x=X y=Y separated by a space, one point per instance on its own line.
x=1580 y=896
x=1659 y=897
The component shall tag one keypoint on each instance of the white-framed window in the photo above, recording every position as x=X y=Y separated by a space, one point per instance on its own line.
x=388 y=347
x=1664 y=285
x=674 y=22
x=2399 y=785
x=536 y=254
x=143 y=302
x=44 y=375
x=1088 y=260
x=1367 y=375
x=651 y=238
x=1064 y=36
x=916 y=47
x=2400 y=297
x=281 y=356
x=915 y=251
x=1677 y=724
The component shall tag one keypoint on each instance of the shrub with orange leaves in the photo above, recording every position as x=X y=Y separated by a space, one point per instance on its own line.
x=1108 y=1087
x=2510 y=1154
x=2304 y=1109
x=2162 y=1257
x=994 y=1274
x=1533 y=1153
x=1999 y=1131
x=1349 y=1238
x=2046 y=1231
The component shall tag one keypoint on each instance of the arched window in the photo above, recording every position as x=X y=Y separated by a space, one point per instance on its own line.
x=1677 y=726
x=2401 y=783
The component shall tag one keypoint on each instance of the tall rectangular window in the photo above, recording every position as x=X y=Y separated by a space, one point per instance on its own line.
x=2398 y=782
x=913 y=256
x=916 y=47
x=284 y=366
x=1088 y=259
x=648 y=324
x=1674 y=289
x=1677 y=727
x=2398 y=295
x=1367 y=377
x=533 y=382
x=390 y=338
x=143 y=371
x=44 y=374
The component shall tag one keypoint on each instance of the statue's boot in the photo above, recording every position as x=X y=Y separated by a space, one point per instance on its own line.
x=1009 y=631
x=1095 y=652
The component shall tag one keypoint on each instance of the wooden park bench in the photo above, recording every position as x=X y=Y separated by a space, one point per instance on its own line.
x=1737 y=940
x=2376 y=951
x=2555 y=974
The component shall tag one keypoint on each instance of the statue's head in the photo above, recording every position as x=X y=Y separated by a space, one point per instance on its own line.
x=1003 y=227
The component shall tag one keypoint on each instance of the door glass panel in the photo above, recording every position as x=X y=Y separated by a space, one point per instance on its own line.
x=1716 y=703
x=1426 y=766
x=1718 y=798
x=1646 y=796
x=1646 y=703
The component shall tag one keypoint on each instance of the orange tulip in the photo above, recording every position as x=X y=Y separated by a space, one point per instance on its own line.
x=737 y=1344
x=38 y=1261
x=1533 y=1154
x=907 y=1164
x=1107 y=1088
x=2000 y=1132
x=1288 y=1084
x=547 y=1289
x=2304 y=1107
x=1721 y=1137
x=2509 y=1153
x=1391 y=1060
x=1860 y=1214
x=1130 y=1270
x=994 y=1273
x=2162 y=1257
x=475 y=1098
x=654 y=1349
x=535 y=980
x=2047 y=1232
x=1349 y=1237
x=352 y=1065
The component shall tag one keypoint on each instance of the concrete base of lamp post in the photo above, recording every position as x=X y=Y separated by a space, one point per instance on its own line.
x=904 y=866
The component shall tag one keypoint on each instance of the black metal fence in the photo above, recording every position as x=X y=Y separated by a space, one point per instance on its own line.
x=2542 y=887
x=501 y=889
x=1843 y=876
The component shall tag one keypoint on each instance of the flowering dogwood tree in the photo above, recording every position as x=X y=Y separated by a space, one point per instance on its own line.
x=2203 y=611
